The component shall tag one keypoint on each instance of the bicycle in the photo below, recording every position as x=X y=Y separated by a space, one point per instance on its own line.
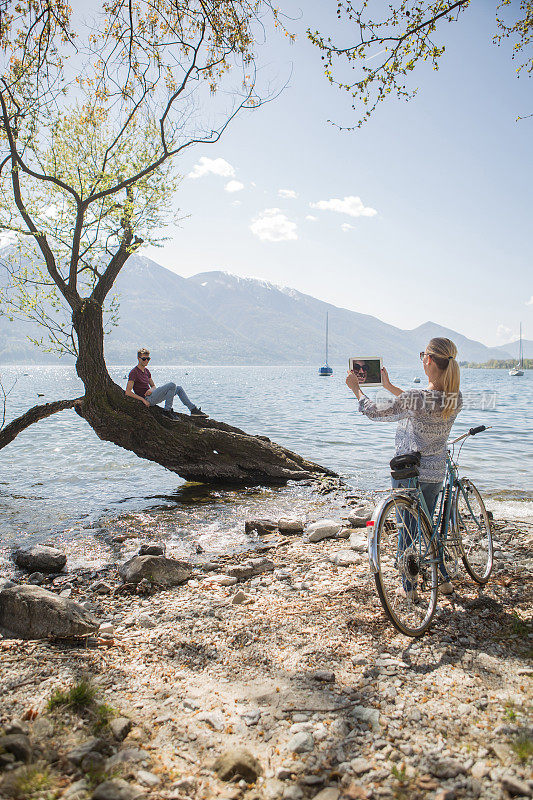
x=407 y=549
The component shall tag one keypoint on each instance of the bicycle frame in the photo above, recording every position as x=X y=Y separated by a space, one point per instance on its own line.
x=439 y=526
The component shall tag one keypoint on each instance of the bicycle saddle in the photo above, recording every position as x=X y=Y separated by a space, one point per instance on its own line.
x=405 y=465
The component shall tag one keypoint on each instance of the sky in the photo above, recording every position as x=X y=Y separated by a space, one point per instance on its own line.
x=423 y=214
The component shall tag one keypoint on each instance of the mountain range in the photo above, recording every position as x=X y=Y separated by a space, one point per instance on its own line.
x=219 y=318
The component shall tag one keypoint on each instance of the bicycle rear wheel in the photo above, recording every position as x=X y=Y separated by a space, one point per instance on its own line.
x=472 y=523
x=406 y=577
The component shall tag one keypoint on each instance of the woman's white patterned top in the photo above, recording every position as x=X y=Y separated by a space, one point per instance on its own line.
x=421 y=425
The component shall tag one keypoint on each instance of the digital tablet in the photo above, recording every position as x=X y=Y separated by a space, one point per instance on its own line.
x=368 y=370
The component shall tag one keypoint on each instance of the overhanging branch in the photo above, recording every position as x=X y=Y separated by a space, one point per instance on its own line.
x=35 y=414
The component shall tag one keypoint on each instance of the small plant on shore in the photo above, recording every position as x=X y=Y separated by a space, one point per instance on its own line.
x=103 y=714
x=31 y=780
x=80 y=696
x=520 y=627
x=509 y=712
x=522 y=747
x=399 y=773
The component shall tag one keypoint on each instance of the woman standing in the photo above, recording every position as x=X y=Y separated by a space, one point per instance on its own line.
x=425 y=418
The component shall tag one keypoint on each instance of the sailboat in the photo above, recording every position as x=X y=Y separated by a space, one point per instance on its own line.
x=517 y=371
x=326 y=369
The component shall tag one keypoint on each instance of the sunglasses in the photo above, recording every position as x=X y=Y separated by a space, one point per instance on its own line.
x=144 y=358
x=360 y=368
x=423 y=355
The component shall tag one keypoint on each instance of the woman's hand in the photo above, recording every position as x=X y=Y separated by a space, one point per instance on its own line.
x=390 y=387
x=353 y=384
x=385 y=380
x=148 y=392
x=146 y=402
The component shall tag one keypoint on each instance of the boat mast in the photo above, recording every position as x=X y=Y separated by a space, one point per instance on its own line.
x=520 y=352
x=327 y=319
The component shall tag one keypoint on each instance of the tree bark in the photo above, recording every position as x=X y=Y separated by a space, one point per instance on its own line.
x=196 y=448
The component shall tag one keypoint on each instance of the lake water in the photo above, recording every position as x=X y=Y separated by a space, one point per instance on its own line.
x=57 y=478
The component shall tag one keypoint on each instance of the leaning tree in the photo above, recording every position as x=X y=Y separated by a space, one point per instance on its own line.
x=95 y=112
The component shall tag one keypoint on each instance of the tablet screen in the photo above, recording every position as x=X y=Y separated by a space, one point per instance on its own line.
x=367 y=369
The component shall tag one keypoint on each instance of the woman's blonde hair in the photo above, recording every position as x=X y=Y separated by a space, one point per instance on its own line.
x=444 y=353
x=143 y=351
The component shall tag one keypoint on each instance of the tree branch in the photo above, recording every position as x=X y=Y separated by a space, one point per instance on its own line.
x=35 y=414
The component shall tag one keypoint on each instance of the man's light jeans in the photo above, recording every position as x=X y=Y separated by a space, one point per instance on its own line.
x=167 y=393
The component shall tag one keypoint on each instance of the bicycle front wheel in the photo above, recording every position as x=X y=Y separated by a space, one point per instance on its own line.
x=472 y=523
x=406 y=577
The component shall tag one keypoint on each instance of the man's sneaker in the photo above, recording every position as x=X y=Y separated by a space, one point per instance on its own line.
x=169 y=412
x=446 y=588
x=197 y=412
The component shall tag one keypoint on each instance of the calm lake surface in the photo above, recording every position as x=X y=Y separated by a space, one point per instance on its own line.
x=58 y=480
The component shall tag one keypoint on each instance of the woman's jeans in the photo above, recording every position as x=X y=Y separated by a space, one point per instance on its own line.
x=408 y=532
x=167 y=392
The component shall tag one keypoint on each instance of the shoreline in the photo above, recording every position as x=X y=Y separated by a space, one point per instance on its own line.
x=302 y=670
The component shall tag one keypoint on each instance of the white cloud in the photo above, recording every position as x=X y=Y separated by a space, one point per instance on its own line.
x=212 y=166
x=271 y=225
x=236 y=202
x=347 y=227
x=530 y=301
x=311 y=218
x=504 y=334
x=353 y=206
x=234 y=186
x=289 y=194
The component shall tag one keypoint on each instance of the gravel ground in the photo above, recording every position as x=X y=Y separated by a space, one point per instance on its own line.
x=297 y=665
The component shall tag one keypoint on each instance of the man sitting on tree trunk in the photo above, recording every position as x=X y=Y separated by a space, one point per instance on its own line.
x=141 y=387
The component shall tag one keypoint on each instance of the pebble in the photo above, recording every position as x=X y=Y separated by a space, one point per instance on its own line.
x=221 y=580
x=117 y=789
x=359 y=541
x=100 y=587
x=148 y=778
x=146 y=621
x=215 y=719
x=370 y=715
x=120 y=727
x=345 y=558
x=330 y=793
x=292 y=793
x=516 y=787
x=301 y=742
x=239 y=598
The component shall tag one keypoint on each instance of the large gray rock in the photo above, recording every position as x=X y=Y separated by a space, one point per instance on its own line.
x=360 y=517
x=323 y=529
x=18 y=745
x=158 y=570
x=31 y=612
x=40 y=558
x=92 y=745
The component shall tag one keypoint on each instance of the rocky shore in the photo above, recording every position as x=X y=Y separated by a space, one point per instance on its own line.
x=276 y=676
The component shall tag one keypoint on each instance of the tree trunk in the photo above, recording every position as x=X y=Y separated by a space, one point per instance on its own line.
x=196 y=448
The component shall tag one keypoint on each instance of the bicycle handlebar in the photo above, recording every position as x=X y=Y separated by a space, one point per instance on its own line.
x=471 y=432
